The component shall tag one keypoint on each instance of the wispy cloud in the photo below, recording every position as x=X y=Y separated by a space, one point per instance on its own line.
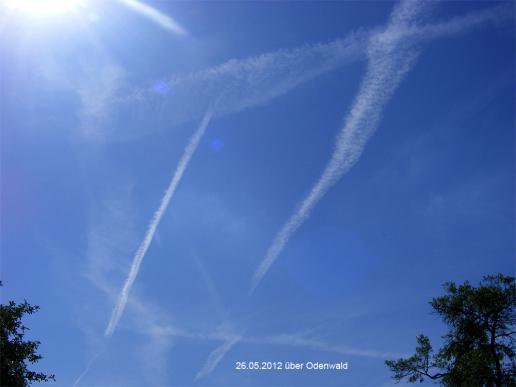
x=96 y=90
x=151 y=230
x=391 y=54
x=154 y=15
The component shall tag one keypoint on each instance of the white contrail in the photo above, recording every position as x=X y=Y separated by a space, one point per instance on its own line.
x=216 y=356
x=88 y=366
x=390 y=55
x=142 y=249
x=156 y=16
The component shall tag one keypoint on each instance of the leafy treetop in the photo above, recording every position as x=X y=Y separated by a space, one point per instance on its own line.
x=15 y=352
x=479 y=348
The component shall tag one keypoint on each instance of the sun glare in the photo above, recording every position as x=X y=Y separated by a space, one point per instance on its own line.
x=44 y=7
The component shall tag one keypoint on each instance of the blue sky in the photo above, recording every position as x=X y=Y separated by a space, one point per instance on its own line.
x=187 y=185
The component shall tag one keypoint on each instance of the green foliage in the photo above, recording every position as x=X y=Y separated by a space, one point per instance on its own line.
x=479 y=349
x=15 y=352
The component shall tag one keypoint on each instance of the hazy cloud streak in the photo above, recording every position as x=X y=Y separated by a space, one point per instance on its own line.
x=147 y=240
x=299 y=341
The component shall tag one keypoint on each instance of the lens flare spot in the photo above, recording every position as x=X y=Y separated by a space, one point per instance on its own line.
x=161 y=87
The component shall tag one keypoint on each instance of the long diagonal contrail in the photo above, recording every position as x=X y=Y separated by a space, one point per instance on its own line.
x=391 y=54
x=151 y=230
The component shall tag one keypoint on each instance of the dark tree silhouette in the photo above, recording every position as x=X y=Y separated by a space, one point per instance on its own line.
x=479 y=349
x=15 y=352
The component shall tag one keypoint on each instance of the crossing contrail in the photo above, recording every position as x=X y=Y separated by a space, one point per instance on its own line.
x=151 y=230
x=216 y=356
